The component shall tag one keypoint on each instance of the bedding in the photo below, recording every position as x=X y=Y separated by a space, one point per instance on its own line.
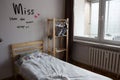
x=26 y=56
x=42 y=66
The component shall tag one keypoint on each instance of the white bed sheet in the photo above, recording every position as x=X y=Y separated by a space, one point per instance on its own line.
x=47 y=67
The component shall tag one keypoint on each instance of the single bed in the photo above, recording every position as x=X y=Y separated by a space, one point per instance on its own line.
x=33 y=64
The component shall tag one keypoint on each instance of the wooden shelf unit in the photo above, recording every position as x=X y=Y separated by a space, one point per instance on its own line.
x=59 y=42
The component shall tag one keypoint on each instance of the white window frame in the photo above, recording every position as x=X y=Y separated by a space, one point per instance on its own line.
x=101 y=27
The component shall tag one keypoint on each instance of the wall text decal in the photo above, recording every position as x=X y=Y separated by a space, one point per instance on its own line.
x=23 y=27
x=12 y=18
x=27 y=15
x=22 y=19
x=29 y=21
x=19 y=9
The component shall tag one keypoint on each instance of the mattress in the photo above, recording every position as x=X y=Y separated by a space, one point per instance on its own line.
x=47 y=67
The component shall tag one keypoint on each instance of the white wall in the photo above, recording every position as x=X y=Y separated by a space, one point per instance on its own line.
x=37 y=30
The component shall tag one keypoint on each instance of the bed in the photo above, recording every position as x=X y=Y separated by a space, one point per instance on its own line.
x=31 y=62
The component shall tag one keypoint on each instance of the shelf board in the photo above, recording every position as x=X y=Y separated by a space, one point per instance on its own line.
x=60 y=50
x=63 y=20
x=60 y=20
x=60 y=36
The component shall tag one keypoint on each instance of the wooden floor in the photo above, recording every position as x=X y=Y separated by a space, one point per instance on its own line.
x=102 y=72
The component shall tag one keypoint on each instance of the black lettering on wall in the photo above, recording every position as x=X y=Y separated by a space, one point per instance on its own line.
x=22 y=27
x=28 y=11
x=18 y=9
x=32 y=11
x=24 y=10
x=29 y=21
x=22 y=19
x=12 y=18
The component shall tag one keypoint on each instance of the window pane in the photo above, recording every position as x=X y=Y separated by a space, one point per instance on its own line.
x=86 y=14
x=112 y=20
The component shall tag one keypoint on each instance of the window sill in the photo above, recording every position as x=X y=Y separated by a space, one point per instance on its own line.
x=90 y=43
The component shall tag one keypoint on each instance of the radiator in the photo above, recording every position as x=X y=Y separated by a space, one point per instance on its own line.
x=105 y=59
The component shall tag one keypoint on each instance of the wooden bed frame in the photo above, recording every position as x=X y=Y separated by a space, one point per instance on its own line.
x=22 y=47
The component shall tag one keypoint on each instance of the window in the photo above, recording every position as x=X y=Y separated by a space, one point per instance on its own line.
x=112 y=20
x=97 y=20
x=86 y=18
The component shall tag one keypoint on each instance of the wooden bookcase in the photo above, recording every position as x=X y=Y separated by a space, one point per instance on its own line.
x=58 y=37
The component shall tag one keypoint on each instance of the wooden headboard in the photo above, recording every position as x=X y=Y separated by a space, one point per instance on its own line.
x=22 y=47
x=26 y=46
